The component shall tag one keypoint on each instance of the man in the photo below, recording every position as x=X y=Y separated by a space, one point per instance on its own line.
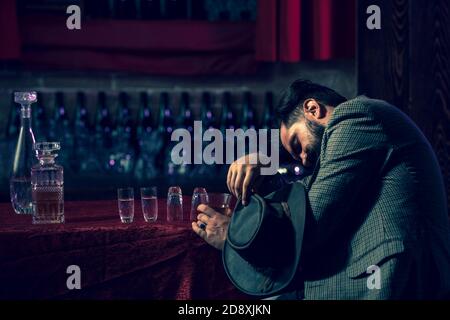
x=375 y=200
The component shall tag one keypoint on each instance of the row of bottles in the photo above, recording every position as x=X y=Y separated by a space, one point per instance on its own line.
x=223 y=115
x=140 y=145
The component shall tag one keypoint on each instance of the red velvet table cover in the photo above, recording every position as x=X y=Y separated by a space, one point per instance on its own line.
x=117 y=261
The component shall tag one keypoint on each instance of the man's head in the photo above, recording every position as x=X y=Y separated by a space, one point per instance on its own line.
x=304 y=111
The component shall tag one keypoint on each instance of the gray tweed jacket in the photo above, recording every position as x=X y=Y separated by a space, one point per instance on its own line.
x=376 y=197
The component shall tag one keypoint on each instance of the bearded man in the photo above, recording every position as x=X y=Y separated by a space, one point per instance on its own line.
x=375 y=201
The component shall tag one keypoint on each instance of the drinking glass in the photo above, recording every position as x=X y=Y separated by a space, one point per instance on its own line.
x=149 y=202
x=199 y=196
x=126 y=204
x=174 y=204
x=220 y=202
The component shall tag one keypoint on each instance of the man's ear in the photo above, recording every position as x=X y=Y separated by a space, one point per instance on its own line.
x=313 y=110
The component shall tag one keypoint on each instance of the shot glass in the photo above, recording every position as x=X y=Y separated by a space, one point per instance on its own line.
x=174 y=204
x=199 y=196
x=126 y=204
x=149 y=202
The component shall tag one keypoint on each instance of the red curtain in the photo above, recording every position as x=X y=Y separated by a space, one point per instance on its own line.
x=286 y=30
x=294 y=30
x=9 y=33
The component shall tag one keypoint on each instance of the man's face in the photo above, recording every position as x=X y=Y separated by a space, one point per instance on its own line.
x=303 y=140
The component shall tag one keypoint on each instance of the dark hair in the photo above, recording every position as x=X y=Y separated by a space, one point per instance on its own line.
x=290 y=106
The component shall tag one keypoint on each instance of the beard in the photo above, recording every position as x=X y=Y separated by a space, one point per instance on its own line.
x=316 y=132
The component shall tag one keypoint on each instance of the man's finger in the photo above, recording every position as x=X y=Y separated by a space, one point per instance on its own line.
x=203 y=218
x=232 y=180
x=249 y=177
x=229 y=174
x=198 y=230
x=238 y=183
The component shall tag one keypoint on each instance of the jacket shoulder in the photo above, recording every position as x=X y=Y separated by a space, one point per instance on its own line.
x=359 y=107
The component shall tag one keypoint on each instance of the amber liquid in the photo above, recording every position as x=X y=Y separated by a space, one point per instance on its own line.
x=224 y=209
x=48 y=204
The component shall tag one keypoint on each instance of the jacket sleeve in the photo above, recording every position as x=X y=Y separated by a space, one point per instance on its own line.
x=352 y=156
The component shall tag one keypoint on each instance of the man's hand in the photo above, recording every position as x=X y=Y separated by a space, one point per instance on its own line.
x=215 y=226
x=243 y=176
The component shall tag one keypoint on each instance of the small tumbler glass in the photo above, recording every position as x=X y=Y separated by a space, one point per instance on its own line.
x=220 y=202
x=199 y=196
x=149 y=202
x=174 y=204
x=126 y=204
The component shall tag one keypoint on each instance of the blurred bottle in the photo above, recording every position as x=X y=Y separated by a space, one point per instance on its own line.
x=166 y=125
x=103 y=131
x=207 y=113
x=248 y=114
x=148 y=140
x=209 y=121
x=60 y=128
x=145 y=120
x=245 y=10
x=125 y=9
x=186 y=120
x=83 y=140
x=268 y=113
x=224 y=10
x=176 y=9
x=40 y=121
x=166 y=122
x=124 y=123
x=228 y=119
x=150 y=9
x=122 y=155
x=81 y=123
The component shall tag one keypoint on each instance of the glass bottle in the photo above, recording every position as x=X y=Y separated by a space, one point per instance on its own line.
x=82 y=136
x=47 y=184
x=103 y=132
x=166 y=125
x=166 y=122
x=149 y=143
x=207 y=113
x=186 y=120
x=247 y=116
x=20 y=186
x=39 y=118
x=61 y=128
x=228 y=120
x=268 y=115
x=122 y=155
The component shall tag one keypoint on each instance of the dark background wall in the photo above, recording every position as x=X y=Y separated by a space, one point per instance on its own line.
x=407 y=64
